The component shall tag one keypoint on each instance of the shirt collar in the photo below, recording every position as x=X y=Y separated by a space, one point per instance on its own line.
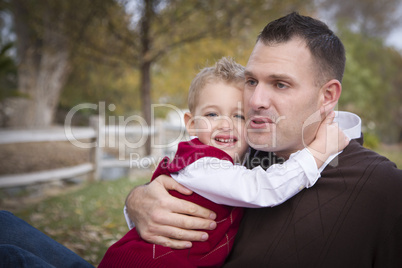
x=350 y=123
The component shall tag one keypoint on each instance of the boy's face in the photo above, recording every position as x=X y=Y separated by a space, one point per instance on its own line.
x=218 y=119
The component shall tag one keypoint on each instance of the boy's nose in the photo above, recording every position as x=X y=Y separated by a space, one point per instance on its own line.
x=225 y=123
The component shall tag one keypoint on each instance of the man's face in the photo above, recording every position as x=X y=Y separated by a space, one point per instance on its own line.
x=280 y=95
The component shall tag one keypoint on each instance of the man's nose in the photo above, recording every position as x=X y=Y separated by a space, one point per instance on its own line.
x=260 y=98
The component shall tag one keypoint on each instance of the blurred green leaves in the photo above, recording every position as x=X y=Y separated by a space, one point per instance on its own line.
x=370 y=85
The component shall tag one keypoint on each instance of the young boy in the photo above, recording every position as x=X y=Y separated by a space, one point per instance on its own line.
x=209 y=161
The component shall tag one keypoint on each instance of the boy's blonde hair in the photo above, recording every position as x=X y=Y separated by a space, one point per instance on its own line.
x=225 y=70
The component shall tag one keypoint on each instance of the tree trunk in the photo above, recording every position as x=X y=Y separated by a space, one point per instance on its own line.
x=145 y=87
x=146 y=99
x=42 y=71
x=40 y=86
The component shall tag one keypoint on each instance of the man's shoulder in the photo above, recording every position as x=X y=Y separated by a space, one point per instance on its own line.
x=355 y=151
x=358 y=159
x=362 y=174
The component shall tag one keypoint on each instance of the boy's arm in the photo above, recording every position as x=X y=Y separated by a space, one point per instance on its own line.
x=165 y=220
x=228 y=184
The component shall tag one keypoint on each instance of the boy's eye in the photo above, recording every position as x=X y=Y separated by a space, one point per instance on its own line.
x=240 y=116
x=211 y=114
x=251 y=82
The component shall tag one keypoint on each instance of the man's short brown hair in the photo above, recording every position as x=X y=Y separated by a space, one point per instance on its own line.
x=326 y=48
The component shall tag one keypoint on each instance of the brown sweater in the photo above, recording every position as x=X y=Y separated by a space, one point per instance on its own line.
x=352 y=217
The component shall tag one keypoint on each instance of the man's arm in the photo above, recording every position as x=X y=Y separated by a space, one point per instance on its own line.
x=165 y=220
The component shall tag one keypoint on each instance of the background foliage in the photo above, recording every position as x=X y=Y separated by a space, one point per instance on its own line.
x=108 y=49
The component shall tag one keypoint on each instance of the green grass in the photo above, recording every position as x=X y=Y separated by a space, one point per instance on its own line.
x=87 y=220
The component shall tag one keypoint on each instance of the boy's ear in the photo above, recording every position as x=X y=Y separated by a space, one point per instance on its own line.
x=331 y=93
x=189 y=121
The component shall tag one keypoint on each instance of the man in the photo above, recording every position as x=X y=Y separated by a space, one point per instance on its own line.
x=351 y=218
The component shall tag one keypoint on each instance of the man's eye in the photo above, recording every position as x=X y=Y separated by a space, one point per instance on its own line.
x=211 y=114
x=281 y=85
x=240 y=116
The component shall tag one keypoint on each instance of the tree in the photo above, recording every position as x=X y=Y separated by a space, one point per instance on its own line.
x=368 y=17
x=91 y=82
x=47 y=33
x=8 y=78
x=159 y=27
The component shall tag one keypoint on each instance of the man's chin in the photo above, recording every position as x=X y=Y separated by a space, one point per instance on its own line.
x=260 y=143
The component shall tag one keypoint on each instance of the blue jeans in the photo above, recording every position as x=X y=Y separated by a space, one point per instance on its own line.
x=21 y=245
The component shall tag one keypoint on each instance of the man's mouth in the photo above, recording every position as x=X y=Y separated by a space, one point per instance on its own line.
x=260 y=122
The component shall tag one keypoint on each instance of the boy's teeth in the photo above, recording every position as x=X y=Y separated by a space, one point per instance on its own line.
x=225 y=140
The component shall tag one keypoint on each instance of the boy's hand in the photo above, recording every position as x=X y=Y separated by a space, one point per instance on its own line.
x=165 y=220
x=329 y=140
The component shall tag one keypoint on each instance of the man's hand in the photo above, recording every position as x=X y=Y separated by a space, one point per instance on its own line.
x=165 y=220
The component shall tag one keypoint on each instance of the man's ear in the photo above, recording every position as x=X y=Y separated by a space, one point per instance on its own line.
x=189 y=121
x=331 y=92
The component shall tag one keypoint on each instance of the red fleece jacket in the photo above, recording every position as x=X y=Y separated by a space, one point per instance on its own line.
x=132 y=251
